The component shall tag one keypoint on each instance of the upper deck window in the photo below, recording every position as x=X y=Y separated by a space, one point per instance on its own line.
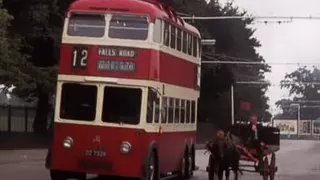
x=74 y=105
x=157 y=31
x=87 y=25
x=128 y=27
x=166 y=38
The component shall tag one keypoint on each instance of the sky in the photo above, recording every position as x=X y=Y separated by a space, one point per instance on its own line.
x=294 y=42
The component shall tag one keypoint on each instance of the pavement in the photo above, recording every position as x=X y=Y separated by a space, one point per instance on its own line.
x=297 y=159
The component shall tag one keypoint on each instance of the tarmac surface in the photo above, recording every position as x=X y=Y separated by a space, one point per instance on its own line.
x=297 y=159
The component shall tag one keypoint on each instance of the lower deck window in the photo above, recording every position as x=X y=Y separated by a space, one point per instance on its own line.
x=78 y=102
x=121 y=105
x=153 y=107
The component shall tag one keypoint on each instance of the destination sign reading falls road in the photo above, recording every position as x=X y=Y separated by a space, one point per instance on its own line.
x=117 y=52
x=117 y=65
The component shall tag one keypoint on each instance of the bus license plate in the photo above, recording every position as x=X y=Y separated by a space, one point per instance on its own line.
x=87 y=164
x=95 y=153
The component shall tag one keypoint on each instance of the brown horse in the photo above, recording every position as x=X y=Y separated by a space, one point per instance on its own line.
x=225 y=155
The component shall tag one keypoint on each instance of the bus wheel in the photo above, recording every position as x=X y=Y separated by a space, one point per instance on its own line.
x=192 y=161
x=152 y=168
x=190 y=171
x=57 y=175
x=193 y=157
x=185 y=172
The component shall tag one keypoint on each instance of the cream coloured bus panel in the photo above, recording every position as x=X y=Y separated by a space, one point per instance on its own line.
x=179 y=117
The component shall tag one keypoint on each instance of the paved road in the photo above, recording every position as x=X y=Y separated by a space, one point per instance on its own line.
x=296 y=160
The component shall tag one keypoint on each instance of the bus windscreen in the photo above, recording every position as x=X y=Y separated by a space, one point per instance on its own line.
x=86 y=25
x=121 y=105
x=133 y=27
x=78 y=102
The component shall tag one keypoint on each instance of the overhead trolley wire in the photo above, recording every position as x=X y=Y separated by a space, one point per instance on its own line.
x=251 y=17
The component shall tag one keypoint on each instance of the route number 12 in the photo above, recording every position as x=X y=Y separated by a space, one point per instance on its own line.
x=79 y=57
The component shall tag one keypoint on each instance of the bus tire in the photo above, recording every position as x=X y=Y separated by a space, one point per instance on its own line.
x=185 y=165
x=192 y=159
x=57 y=175
x=48 y=160
x=152 y=170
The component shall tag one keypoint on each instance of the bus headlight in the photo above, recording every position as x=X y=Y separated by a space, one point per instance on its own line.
x=125 y=147
x=68 y=142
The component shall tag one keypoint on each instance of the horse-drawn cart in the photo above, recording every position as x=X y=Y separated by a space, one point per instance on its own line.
x=239 y=153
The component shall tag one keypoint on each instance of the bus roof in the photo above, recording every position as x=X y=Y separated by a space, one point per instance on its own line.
x=153 y=8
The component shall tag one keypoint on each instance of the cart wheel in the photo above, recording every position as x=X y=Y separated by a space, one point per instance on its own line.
x=265 y=169
x=272 y=167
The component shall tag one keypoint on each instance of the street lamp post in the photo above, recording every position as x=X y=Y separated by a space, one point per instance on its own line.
x=232 y=104
x=298 y=121
x=212 y=42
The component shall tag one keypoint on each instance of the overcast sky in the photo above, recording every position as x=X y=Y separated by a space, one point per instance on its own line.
x=298 y=41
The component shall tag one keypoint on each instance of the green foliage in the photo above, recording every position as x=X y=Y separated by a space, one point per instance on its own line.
x=304 y=93
x=10 y=56
x=233 y=38
x=37 y=33
x=36 y=28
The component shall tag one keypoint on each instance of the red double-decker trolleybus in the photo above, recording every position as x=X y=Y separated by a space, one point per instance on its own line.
x=127 y=92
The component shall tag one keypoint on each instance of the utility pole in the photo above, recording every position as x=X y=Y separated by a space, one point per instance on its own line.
x=232 y=104
x=298 y=121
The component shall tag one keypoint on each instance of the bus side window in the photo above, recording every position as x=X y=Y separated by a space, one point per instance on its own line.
x=177 y=111
x=173 y=37
x=184 y=42
x=164 y=109
x=188 y=112
x=195 y=46
x=193 y=112
x=157 y=31
x=199 y=48
x=189 y=37
x=179 y=39
x=170 y=115
x=166 y=34
x=153 y=106
x=183 y=111
x=157 y=110
x=150 y=105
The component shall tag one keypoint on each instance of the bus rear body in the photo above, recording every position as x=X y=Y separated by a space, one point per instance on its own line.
x=127 y=90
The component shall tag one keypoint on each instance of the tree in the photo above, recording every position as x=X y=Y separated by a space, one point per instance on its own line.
x=11 y=60
x=233 y=38
x=35 y=24
x=6 y=52
x=302 y=85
